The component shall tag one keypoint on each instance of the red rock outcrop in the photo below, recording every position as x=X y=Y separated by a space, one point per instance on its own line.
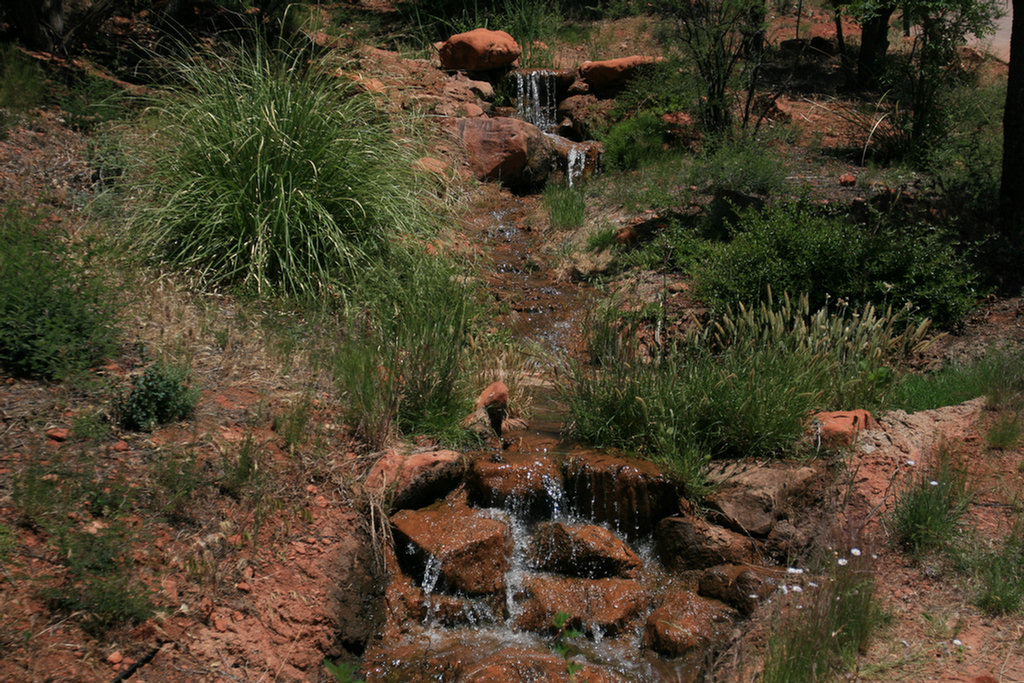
x=506 y=149
x=684 y=622
x=583 y=550
x=611 y=75
x=594 y=604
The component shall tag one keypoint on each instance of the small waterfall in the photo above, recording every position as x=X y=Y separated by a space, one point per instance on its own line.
x=536 y=98
x=576 y=161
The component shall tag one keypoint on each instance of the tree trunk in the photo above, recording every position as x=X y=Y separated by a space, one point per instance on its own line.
x=874 y=43
x=38 y=24
x=1011 y=189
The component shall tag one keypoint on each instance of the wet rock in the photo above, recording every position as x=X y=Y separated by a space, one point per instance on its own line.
x=741 y=585
x=610 y=76
x=587 y=116
x=841 y=428
x=506 y=149
x=604 y=605
x=749 y=496
x=587 y=551
x=415 y=480
x=530 y=484
x=632 y=495
x=454 y=660
x=479 y=50
x=689 y=542
x=473 y=549
x=586 y=156
x=684 y=622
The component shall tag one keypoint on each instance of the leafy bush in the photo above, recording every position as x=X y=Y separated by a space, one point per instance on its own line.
x=267 y=173
x=634 y=141
x=22 y=86
x=928 y=510
x=160 y=395
x=791 y=247
x=739 y=164
x=742 y=387
x=56 y=317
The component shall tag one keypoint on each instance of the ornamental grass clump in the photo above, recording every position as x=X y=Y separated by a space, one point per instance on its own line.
x=262 y=172
x=743 y=386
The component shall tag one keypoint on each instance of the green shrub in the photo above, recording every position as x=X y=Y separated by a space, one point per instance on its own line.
x=22 y=86
x=56 y=317
x=794 y=248
x=740 y=164
x=1005 y=432
x=662 y=87
x=269 y=174
x=566 y=206
x=99 y=585
x=999 y=375
x=928 y=510
x=159 y=396
x=743 y=387
x=635 y=141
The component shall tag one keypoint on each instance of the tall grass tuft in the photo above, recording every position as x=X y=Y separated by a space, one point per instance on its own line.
x=741 y=387
x=266 y=173
x=566 y=206
x=928 y=510
x=998 y=375
x=828 y=632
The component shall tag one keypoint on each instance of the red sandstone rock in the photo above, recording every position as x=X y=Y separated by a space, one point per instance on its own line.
x=524 y=480
x=631 y=494
x=479 y=50
x=417 y=479
x=612 y=74
x=595 y=604
x=58 y=433
x=585 y=113
x=748 y=496
x=847 y=180
x=841 y=428
x=689 y=542
x=506 y=149
x=686 y=621
x=473 y=549
x=586 y=551
x=495 y=395
x=742 y=586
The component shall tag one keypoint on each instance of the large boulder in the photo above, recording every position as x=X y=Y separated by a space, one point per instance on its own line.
x=684 y=622
x=629 y=493
x=479 y=50
x=468 y=551
x=506 y=149
x=583 y=117
x=604 y=605
x=609 y=76
x=583 y=550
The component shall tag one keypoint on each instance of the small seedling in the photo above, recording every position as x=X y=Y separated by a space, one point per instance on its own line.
x=562 y=642
x=343 y=672
x=161 y=395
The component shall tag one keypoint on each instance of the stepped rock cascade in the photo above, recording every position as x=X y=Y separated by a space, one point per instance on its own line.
x=536 y=98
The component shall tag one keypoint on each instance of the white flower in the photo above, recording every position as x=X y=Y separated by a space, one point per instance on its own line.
x=911 y=463
x=855 y=552
x=933 y=482
x=842 y=561
x=794 y=570
x=798 y=589
x=812 y=584
x=958 y=642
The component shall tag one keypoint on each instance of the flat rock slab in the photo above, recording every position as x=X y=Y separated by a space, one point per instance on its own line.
x=527 y=483
x=629 y=494
x=604 y=605
x=685 y=621
x=472 y=549
x=582 y=550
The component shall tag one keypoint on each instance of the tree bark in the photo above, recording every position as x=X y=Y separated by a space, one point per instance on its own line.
x=38 y=24
x=874 y=43
x=1011 y=189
